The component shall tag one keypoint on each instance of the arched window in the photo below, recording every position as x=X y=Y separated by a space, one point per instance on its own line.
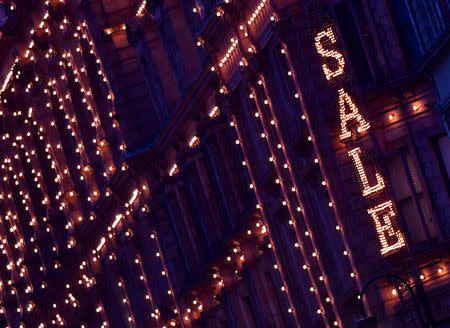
x=4 y=15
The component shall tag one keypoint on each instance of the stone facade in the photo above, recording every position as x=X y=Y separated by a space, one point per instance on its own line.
x=182 y=163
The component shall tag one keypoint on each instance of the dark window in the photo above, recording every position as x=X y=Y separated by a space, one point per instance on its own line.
x=442 y=149
x=250 y=316
x=219 y=318
x=173 y=53
x=420 y=24
x=155 y=89
x=409 y=195
x=195 y=14
x=273 y=301
x=208 y=7
x=368 y=39
x=406 y=31
x=430 y=22
x=353 y=44
x=3 y=15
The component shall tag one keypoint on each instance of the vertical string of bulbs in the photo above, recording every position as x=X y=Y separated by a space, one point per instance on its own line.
x=143 y=278
x=15 y=266
x=339 y=227
x=279 y=158
x=277 y=265
x=165 y=273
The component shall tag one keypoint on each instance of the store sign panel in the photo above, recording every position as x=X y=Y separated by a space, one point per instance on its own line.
x=354 y=125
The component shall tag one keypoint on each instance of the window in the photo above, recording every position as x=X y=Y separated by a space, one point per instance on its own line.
x=220 y=319
x=208 y=7
x=173 y=52
x=409 y=195
x=367 y=35
x=273 y=301
x=406 y=31
x=419 y=25
x=353 y=44
x=195 y=14
x=429 y=20
x=3 y=15
x=248 y=313
x=442 y=149
x=156 y=91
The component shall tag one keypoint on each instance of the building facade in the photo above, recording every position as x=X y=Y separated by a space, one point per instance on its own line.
x=201 y=163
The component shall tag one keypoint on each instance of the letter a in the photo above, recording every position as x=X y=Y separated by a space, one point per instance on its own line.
x=345 y=99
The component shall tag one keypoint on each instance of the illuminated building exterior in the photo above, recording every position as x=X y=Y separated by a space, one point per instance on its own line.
x=192 y=163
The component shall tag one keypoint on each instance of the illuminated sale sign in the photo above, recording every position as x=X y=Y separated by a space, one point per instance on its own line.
x=353 y=125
